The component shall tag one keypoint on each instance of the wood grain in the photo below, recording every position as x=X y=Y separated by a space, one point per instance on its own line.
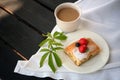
x=19 y=35
x=37 y=15
x=52 y=4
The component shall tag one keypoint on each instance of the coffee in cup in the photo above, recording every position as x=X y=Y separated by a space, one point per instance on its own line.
x=67 y=16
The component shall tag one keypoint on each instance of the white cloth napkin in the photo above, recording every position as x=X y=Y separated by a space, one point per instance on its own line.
x=100 y=16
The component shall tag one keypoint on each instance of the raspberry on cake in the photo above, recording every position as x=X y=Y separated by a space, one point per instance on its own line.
x=82 y=50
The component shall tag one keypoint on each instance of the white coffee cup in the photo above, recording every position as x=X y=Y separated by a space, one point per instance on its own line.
x=67 y=26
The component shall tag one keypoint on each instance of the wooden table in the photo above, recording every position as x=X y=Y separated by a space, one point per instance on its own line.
x=21 y=24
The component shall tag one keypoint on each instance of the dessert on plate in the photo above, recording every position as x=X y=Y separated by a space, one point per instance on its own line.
x=82 y=50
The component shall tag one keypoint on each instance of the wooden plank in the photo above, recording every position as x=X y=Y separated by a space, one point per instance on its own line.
x=52 y=4
x=7 y=57
x=8 y=60
x=37 y=15
x=19 y=35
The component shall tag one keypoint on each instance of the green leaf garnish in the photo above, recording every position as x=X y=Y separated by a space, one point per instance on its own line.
x=57 y=59
x=53 y=44
x=57 y=44
x=43 y=59
x=87 y=50
x=59 y=36
x=44 y=42
x=56 y=34
x=44 y=50
x=50 y=63
x=58 y=48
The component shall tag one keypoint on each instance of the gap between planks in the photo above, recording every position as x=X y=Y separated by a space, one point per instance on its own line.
x=14 y=50
x=37 y=1
x=21 y=20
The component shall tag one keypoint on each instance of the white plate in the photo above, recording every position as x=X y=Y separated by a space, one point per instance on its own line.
x=93 y=64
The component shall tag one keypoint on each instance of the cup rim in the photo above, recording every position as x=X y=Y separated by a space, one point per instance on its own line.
x=68 y=3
